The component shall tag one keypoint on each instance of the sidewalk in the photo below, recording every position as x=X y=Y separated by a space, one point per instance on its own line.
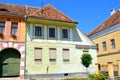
x=17 y=78
x=11 y=78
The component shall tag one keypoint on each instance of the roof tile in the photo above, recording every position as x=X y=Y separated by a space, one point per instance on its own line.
x=47 y=12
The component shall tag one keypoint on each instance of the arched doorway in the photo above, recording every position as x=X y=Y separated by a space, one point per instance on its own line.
x=9 y=62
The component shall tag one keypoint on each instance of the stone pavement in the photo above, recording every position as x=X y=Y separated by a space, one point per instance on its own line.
x=17 y=78
x=11 y=78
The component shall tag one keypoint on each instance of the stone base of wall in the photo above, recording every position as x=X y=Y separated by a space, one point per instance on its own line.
x=58 y=76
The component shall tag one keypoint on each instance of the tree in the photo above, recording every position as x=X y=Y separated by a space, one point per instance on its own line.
x=86 y=60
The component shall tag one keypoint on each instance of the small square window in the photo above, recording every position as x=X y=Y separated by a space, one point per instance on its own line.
x=38 y=54
x=52 y=53
x=64 y=33
x=97 y=47
x=52 y=32
x=112 y=43
x=104 y=45
x=66 y=55
x=14 y=28
x=38 y=31
x=2 y=27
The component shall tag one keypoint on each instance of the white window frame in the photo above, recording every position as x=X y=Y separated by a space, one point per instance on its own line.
x=55 y=31
x=104 y=46
x=68 y=33
x=113 y=45
x=15 y=28
x=2 y=27
x=38 y=25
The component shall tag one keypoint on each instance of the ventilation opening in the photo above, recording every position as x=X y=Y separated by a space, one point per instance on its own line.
x=2 y=9
x=65 y=74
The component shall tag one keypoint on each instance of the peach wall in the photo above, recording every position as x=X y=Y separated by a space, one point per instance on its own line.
x=21 y=28
x=109 y=58
x=115 y=35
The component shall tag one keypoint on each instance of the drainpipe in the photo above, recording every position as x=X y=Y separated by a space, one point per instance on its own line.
x=25 y=18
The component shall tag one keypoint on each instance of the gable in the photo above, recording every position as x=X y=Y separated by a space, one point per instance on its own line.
x=49 y=12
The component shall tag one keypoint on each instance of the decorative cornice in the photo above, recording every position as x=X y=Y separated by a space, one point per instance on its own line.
x=86 y=46
x=108 y=54
x=34 y=17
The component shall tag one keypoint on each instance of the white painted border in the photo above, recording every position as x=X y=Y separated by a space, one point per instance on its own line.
x=71 y=34
x=68 y=33
x=105 y=32
x=39 y=25
x=55 y=31
x=45 y=32
x=58 y=34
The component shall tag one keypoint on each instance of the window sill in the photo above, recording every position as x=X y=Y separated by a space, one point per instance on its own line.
x=66 y=60
x=66 y=39
x=38 y=37
x=51 y=38
x=53 y=60
x=38 y=60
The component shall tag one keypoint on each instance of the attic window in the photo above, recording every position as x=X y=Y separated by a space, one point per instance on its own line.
x=2 y=9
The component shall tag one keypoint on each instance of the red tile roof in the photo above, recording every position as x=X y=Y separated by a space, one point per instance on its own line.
x=112 y=20
x=47 y=12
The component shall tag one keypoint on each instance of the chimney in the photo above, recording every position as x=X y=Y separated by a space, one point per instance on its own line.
x=112 y=11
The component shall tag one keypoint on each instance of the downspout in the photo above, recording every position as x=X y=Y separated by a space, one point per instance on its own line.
x=25 y=18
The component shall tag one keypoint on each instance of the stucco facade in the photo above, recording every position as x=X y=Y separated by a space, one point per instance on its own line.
x=110 y=50
x=106 y=37
x=76 y=43
x=7 y=41
x=51 y=47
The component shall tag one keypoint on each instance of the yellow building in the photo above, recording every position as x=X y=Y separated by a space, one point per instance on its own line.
x=107 y=38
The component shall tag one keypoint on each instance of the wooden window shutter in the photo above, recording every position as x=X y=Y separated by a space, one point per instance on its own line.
x=52 y=52
x=65 y=54
x=38 y=54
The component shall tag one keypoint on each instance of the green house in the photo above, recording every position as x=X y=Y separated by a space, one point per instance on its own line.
x=54 y=45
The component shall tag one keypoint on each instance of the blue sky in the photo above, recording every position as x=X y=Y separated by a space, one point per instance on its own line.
x=89 y=13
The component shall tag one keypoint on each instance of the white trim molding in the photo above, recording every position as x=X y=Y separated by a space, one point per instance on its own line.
x=58 y=33
x=45 y=32
x=39 y=25
x=68 y=33
x=105 y=31
x=71 y=34
x=31 y=31
x=55 y=31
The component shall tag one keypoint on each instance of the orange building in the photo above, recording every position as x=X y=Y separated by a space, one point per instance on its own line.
x=107 y=38
x=12 y=41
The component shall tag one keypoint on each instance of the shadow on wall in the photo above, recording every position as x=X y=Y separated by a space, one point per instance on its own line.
x=76 y=36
